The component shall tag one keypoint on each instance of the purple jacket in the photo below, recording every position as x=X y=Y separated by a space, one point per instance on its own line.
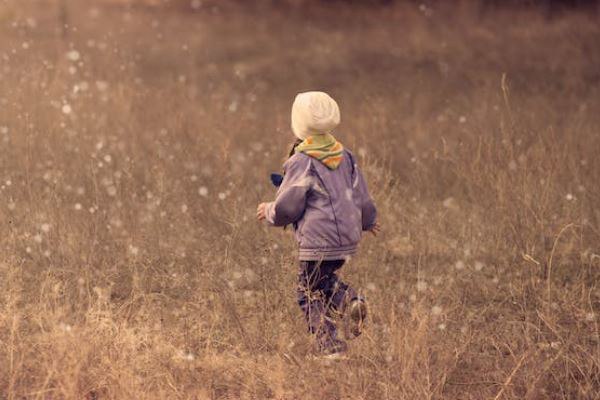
x=328 y=208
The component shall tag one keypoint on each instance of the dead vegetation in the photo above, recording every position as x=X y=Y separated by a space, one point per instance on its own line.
x=136 y=146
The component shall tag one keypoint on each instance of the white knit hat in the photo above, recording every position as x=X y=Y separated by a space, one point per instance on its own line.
x=314 y=113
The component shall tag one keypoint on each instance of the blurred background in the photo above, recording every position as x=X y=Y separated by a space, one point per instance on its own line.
x=137 y=138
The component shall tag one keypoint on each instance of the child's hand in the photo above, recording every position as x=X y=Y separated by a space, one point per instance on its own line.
x=261 y=211
x=375 y=229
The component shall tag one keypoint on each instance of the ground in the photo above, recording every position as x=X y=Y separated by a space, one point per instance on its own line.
x=138 y=140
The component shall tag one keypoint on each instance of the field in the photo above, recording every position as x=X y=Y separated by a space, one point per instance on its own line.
x=137 y=141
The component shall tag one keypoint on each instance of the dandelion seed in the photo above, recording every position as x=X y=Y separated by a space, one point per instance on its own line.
x=569 y=197
x=45 y=228
x=203 y=191
x=73 y=55
x=101 y=85
x=47 y=253
x=25 y=45
x=249 y=274
x=92 y=210
x=436 y=310
x=66 y=109
x=590 y=317
x=275 y=246
x=449 y=203
x=37 y=238
x=442 y=327
x=233 y=106
x=133 y=250
x=107 y=158
x=184 y=208
x=264 y=260
x=65 y=327
x=222 y=196
x=28 y=250
x=462 y=119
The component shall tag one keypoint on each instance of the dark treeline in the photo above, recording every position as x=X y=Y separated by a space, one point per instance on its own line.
x=547 y=7
x=563 y=3
x=491 y=3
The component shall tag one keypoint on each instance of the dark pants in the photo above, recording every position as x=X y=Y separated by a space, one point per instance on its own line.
x=322 y=295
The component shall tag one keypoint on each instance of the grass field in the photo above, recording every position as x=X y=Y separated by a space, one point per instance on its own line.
x=137 y=142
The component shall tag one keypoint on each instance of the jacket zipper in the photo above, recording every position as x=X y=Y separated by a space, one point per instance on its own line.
x=337 y=227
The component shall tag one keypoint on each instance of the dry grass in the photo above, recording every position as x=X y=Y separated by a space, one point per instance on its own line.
x=119 y=280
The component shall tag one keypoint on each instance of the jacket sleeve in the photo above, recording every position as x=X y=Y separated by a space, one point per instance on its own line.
x=368 y=209
x=290 y=200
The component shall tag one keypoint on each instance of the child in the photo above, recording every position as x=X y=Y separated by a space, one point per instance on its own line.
x=324 y=195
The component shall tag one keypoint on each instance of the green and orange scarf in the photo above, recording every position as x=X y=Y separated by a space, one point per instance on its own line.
x=324 y=148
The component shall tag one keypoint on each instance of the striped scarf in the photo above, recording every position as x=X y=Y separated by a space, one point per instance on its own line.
x=324 y=148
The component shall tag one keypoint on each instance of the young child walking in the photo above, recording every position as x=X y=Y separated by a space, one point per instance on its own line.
x=324 y=196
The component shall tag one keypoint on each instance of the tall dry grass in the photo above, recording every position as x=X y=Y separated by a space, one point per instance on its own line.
x=136 y=145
